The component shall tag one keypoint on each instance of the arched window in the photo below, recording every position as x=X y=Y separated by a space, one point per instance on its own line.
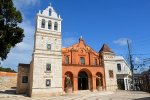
x=95 y=61
x=50 y=12
x=67 y=60
x=82 y=61
x=43 y=23
x=49 y=24
x=55 y=26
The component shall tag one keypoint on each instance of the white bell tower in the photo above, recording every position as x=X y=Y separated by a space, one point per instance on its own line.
x=46 y=65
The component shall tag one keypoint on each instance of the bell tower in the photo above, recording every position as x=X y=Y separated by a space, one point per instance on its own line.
x=46 y=65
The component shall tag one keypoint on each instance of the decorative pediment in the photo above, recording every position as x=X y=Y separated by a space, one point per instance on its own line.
x=80 y=47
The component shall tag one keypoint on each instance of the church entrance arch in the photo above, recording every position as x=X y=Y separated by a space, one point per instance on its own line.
x=83 y=81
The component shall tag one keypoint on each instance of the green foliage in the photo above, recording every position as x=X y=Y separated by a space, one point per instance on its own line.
x=7 y=69
x=10 y=32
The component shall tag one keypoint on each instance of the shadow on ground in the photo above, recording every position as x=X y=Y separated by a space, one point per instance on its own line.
x=11 y=92
x=146 y=98
x=8 y=92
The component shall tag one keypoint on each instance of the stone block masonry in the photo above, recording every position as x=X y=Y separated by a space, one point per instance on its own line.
x=8 y=80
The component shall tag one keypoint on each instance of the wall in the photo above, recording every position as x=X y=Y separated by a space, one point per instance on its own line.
x=125 y=69
x=7 y=80
x=89 y=70
x=22 y=71
x=110 y=64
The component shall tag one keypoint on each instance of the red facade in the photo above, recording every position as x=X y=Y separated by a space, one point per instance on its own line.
x=84 y=66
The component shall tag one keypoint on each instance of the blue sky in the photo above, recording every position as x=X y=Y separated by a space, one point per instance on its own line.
x=98 y=21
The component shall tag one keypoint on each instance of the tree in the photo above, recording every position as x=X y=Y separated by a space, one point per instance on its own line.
x=6 y=69
x=10 y=32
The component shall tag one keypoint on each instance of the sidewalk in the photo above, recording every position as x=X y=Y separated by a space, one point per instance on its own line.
x=85 y=95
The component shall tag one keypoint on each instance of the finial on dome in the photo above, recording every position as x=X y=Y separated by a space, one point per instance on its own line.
x=81 y=37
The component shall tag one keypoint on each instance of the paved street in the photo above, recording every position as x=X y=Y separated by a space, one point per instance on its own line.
x=87 y=95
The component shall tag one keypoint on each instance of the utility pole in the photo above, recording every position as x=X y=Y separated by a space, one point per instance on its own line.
x=131 y=65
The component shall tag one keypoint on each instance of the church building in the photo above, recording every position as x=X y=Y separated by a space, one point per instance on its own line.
x=84 y=66
x=54 y=70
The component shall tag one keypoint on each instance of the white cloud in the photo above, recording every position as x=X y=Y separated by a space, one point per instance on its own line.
x=22 y=3
x=24 y=47
x=137 y=60
x=28 y=28
x=69 y=41
x=14 y=58
x=122 y=41
x=22 y=53
x=27 y=44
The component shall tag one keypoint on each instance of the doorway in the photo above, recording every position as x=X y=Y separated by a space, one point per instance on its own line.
x=120 y=83
x=83 y=81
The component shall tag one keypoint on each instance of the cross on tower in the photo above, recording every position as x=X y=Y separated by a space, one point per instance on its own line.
x=50 y=4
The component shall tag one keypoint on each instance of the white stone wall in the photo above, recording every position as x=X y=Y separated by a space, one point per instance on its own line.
x=110 y=63
x=39 y=20
x=40 y=75
x=125 y=69
x=42 y=40
x=53 y=17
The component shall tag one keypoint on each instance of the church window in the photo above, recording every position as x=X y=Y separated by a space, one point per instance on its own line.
x=24 y=79
x=48 y=82
x=82 y=60
x=48 y=46
x=48 y=67
x=50 y=12
x=111 y=75
x=43 y=23
x=49 y=24
x=67 y=60
x=55 y=26
x=119 y=67
x=95 y=61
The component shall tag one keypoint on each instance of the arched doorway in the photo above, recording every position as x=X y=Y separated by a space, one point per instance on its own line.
x=83 y=81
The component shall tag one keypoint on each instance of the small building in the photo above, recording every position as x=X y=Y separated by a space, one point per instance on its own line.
x=117 y=71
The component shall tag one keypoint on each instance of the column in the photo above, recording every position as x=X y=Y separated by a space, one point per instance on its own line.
x=75 y=84
x=93 y=83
